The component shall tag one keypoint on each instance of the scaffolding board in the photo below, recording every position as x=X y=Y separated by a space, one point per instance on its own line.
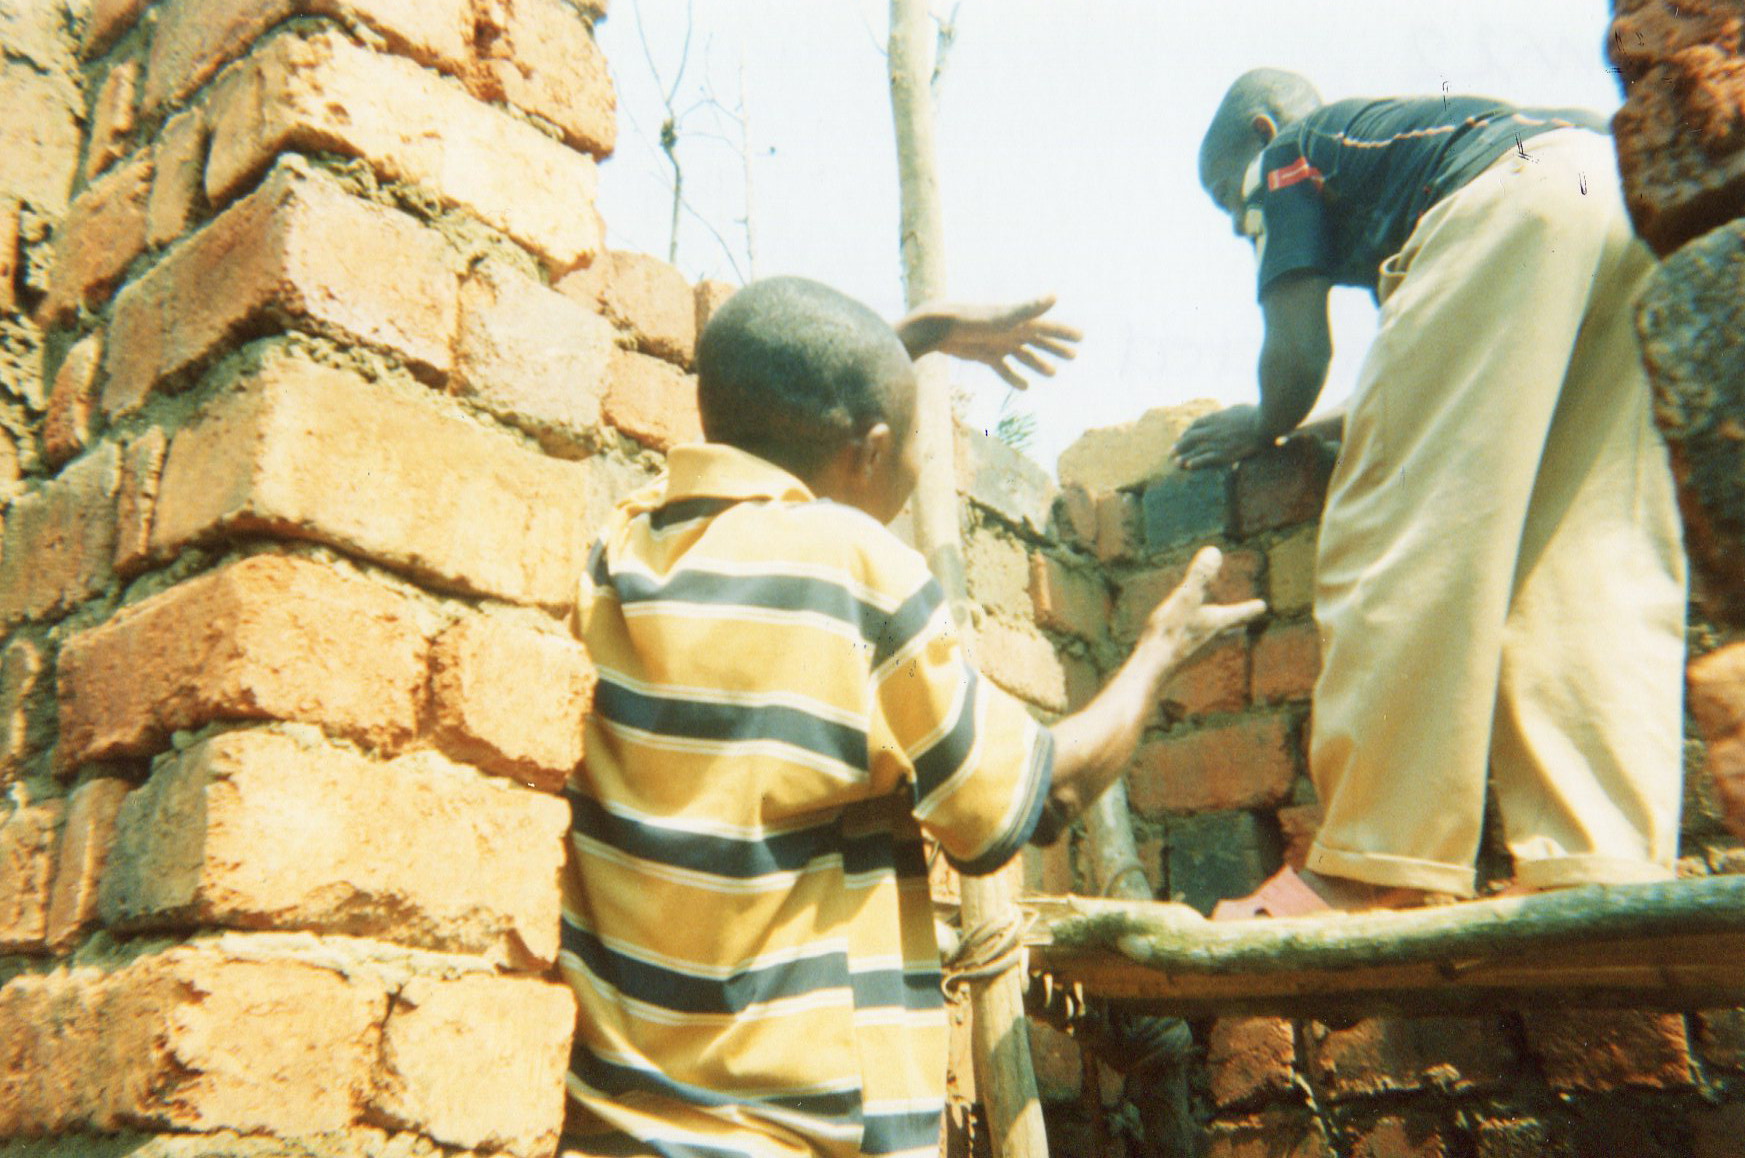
x=1678 y=945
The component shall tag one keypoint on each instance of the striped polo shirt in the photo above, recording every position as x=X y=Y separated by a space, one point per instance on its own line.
x=783 y=711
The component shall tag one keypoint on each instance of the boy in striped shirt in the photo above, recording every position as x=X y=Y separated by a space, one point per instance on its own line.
x=783 y=711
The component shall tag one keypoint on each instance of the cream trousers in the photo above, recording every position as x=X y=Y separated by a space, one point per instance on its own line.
x=1500 y=578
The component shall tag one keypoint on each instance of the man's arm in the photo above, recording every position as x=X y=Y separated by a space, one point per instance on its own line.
x=990 y=335
x=1092 y=747
x=1294 y=356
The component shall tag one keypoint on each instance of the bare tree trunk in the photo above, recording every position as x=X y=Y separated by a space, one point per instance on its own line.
x=1001 y=1034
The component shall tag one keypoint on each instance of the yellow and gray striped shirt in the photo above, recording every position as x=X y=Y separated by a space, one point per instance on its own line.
x=783 y=710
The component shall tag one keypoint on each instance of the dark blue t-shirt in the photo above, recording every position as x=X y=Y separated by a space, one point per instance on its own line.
x=1340 y=190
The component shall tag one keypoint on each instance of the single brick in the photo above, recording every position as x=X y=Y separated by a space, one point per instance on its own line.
x=1074 y=519
x=1607 y=1050
x=1215 y=680
x=481 y=672
x=1270 y=1134
x=1251 y=1059
x=108 y=20
x=103 y=233
x=142 y=465
x=40 y=136
x=1120 y=527
x=643 y=296
x=22 y=695
x=1282 y=486
x=1520 y=1138
x=711 y=296
x=265 y=638
x=1112 y=457
x=297 y=249
x=257 y=830
x=1022 y=661
x=1720 y=1035
x=59 y=540
x=540 y=56
x=191 y=1039
x=1057 y=1062
x=1073 y=601
x=113 y=117
x=1004 y=481
x=652 y=401
x=66 y=429
x=28 y=838
x=85 y=843
x=1298 y=824
x=1140 y=593
x=997 y=572
x=1391 y=1137
x=1185 y=508
x=179 y=170
x=1376 y=1055
x=317 y=452
x=1287 y=660
x=322 y=92
x=1216 y=855
x=531 y=357
x=1290 y=571
x=193 y=38
x=10 y=212
x=1248 y=763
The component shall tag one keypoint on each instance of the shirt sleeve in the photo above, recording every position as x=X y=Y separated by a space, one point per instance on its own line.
x=979 y=765
x=1295 y=234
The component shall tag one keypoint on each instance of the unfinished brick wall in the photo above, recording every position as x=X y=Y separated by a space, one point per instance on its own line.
x=313 y=378
x=1220 y=798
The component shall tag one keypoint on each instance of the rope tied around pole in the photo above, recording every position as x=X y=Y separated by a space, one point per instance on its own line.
x=991 y=949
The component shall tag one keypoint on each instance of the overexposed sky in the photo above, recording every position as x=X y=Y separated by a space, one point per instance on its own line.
x=1068 y=137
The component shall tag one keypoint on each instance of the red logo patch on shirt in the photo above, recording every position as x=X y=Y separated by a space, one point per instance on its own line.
x=1291 y=174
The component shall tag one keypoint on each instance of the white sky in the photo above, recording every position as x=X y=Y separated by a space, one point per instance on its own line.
x=1068 y=137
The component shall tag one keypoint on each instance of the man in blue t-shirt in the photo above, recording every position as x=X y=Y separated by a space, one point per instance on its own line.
x=1500 y=581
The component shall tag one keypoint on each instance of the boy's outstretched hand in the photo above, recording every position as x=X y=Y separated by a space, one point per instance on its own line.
x=991 y=335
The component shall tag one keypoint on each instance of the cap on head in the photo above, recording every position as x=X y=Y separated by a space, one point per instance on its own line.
x=791 y=370
x=1283 y=97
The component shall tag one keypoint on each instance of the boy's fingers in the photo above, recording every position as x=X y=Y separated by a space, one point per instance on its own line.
x=1060 y=331
x=1058 y=349
x=1035 y=363
x=1224 y=616
x=1013 y=379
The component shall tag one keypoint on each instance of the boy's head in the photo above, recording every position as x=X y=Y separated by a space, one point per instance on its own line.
x=1257 y=106
x=811 y=380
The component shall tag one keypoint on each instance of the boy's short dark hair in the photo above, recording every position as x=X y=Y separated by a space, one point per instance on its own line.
x=790 y=370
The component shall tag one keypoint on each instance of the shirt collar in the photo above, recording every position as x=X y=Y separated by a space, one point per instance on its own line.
x=715 y=470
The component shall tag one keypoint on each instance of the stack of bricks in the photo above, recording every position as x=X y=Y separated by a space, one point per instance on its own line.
x=1681 y=151
x=314 y=379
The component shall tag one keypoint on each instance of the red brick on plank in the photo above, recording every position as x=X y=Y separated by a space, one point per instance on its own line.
x=1023 y=662
x=1282 y=486
x=1248 y=763
x=109 y=19
x=66 y=429
x=300 y=248
x=482 y=670
x=193 y=1039
x=1140 y=593
x=643 y=296
x=113 y=117
x=103 y=233
x=176 y=182
x=1606 y=1050
x=1215 y=680
x=258 y=830
x=1377 y=1055
x=321 y=92
x=1287 y=660
x=29 y=837
x=1251 y=1059
x=268 y=637
x=652 y=401
x=1073 y=601
x=540 y=56
x=193 y=38
x=317 y=452
x=84 y=853
x=59 y=540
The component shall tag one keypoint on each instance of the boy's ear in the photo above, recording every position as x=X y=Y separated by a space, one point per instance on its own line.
x=874 y=447
x=1264 y=128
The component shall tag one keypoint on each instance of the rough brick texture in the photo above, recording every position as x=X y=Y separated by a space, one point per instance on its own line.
x=1113 y=457
x=113 y=117
x=1140 y=593
x=321 y=92
x=1022 y=661
x=1290 y=572
x=67 y=426
x=1416 y=1137
x=178 y=179
x=1249 y=763
x=481 y=672
x=142 y=463
x=1605 y=1050
x=1216 y=855
x=1287 y=658
x=59 y=540
x=108 y=20
x=319 y=453
x=103 y=233
x=28 y=840
x=1273 y=1134
x=1385 y=1054
x=997 y=574
x=1283 y=486
x=1004 y=481
x=23 y=687
x=1186 y=508
x=297 y=248
x=1250 y=1058
x=1717 y=701
x=1214 y=681
x=646 y=298
x=652 y=401
x=256 y=830
x=540 y=55
x=86 y=841
x=39 y=136
x=1678 y=135
x=265 y=638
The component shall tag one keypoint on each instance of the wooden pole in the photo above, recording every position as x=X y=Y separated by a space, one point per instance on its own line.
x=1000 y=1034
